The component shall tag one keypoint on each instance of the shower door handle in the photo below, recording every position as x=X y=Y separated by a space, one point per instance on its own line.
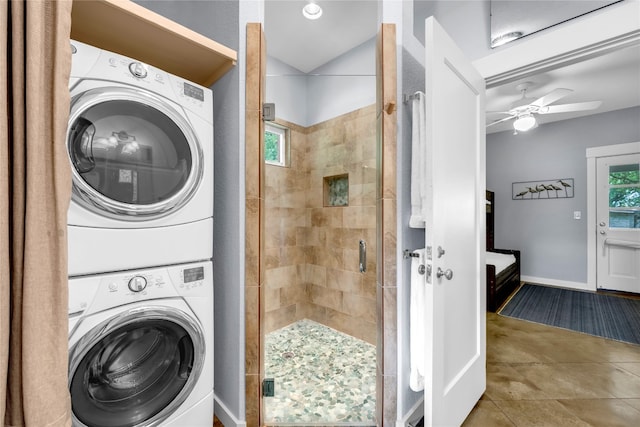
x=363 y=256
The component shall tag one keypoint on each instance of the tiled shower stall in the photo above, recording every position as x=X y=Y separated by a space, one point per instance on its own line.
x=312 y=241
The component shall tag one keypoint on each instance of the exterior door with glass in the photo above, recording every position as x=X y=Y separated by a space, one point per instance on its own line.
x=618 y=217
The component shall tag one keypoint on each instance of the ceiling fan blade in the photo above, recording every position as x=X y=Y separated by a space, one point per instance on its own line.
x=500 y=121
x=567 y=108
x=500 y=112
x=552 y=96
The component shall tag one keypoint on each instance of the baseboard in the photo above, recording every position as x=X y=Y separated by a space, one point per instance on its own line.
x=225 y=416
x=557 y=283
x=414 y=415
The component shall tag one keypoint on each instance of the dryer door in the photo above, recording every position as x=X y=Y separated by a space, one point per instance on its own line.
x=135 y=369
x=133 y=154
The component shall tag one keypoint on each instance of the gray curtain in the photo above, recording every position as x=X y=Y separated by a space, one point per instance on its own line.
x=35 y=186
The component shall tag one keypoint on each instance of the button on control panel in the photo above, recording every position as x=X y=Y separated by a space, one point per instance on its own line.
x=138 y=70
x=137 y=284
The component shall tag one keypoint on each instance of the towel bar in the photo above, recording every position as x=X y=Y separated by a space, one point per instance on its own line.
x=409 y=254
x=406 y=98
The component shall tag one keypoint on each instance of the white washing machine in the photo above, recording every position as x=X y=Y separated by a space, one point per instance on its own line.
x=140 y=142
x=141 y=347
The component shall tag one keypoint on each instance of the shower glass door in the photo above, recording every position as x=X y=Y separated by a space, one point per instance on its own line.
x=320 y=308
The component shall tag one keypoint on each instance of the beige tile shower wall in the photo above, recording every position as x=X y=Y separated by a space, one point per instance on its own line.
x=312 y=264
x=339 y=295
x=285 y=202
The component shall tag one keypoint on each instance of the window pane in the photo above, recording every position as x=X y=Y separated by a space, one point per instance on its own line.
x=624 y=197
x=624 y=174
x=624 y=218
x=276 y=145
x=272 y=147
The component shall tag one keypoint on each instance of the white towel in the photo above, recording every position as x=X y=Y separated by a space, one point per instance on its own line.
x=418 y=162
x=416 y=323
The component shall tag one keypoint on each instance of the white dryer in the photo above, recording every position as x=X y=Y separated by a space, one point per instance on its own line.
x=141 y=347
x=140 y=142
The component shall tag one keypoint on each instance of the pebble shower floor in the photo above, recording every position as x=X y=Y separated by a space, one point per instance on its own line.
x=322 y=377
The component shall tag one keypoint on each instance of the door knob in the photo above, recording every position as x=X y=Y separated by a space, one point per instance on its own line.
x=603 y=232
x=448 y=274
x=602 y=223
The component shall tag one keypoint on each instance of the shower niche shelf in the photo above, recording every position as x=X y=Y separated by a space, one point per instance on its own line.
x=336 y=190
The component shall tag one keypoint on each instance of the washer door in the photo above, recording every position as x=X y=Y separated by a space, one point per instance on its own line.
x=132 y=154
x=135 y=369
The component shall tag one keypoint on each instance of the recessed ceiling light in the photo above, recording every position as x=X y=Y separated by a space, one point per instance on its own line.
x=312 y=11
x=506 y=38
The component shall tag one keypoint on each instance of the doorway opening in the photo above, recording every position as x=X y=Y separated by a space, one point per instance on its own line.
x=320 y=294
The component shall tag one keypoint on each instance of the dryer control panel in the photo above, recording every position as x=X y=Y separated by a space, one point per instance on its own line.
x=137 y=284
x=90 y=62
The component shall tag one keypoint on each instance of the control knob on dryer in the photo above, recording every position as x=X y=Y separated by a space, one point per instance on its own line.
x=138 y=70
x=137 y=284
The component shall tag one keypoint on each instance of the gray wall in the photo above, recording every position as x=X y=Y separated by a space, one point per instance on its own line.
x=287 y=88
x=466 y=21
x=345 y=84
x=553 y=244
x=219 y=20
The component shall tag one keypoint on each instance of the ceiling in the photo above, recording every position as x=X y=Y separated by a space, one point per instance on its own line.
x=528 y=17
x=306 y=45
x=613 y=78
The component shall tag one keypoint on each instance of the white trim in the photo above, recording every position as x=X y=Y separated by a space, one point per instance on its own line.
x=283 y=144
x=593 y=154
x=614 y=150
x=411 y=418
x=594 y=34
x=225 y=416
x=558 y=283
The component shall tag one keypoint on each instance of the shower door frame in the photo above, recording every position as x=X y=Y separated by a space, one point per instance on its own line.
x=386 y=230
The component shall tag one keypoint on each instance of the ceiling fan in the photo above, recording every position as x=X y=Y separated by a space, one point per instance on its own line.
x=524 y=110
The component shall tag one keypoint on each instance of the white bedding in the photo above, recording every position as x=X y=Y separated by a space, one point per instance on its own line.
x=501 y=261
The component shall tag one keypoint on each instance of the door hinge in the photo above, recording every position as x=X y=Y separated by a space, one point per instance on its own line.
x=268 y=111
x=268 y=387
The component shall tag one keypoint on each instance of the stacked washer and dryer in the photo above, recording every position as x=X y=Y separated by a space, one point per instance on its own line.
x=140 y=227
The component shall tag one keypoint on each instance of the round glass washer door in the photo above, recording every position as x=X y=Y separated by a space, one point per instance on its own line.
x=132 y=154
x=135 y=369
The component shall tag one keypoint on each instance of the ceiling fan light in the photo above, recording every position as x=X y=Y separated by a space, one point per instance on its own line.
x=524 y=123
x=312 y=11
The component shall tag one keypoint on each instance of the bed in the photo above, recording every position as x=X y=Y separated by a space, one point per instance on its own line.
x=503 y=265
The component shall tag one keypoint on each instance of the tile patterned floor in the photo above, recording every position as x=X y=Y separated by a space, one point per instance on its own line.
x=322 y=377
x=538 y=375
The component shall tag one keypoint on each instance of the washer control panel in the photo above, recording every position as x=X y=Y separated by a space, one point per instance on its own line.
x=96 y=293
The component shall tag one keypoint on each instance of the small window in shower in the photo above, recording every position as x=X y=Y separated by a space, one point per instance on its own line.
x=276 y=145
x=336 y=190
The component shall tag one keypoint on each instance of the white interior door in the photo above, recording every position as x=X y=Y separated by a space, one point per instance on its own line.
x=455 y=231
x=618 y=228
